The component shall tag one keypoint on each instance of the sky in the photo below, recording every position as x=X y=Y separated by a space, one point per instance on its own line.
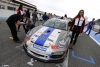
x=70 y=7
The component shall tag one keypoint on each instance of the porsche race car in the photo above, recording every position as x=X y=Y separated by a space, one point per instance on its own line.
x=48 y=42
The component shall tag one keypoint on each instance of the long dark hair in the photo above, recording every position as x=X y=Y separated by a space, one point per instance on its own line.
x=78 y=15
x=20 y=7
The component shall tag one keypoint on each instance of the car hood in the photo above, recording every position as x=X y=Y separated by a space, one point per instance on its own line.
x=46 y=36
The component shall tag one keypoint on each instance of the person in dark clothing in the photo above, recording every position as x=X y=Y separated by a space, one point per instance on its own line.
x=12 y=21
x=90 y=26
x=97 y=32
x=62 y=17
x=28 y=13
x=29 y=26
x=45 y=18
x=34 y=17
x=76 y=27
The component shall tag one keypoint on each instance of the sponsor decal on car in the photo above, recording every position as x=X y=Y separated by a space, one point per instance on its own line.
x=39 y=47
x=41 y=32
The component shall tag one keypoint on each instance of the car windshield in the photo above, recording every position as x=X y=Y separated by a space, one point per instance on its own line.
x=58 y=24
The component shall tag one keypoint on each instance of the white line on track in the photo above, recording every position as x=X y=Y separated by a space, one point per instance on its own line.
x=65 y=62
x=20 y=47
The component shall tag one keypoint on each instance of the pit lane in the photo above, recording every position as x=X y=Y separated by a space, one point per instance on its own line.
x=12 y=54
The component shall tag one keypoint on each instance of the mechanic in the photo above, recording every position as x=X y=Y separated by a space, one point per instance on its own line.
x=90 y=26
x=12 y=21
x=76 y=27
x=29 y=26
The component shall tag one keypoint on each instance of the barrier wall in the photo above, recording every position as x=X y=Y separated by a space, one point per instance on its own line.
x=4 y=14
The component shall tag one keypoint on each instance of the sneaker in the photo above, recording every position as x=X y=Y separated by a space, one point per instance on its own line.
x=18 y=41
x=80 y=34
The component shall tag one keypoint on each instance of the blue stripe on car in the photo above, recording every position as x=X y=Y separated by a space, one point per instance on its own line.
x=40 y=41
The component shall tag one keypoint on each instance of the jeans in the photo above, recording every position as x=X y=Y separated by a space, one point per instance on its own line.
x=88 y=29
x=34 y=21
x=43 y=21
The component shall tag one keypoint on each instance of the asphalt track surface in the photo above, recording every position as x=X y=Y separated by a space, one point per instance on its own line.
x=86 y=52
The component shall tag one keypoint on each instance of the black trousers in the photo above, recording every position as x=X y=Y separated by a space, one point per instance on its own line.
x=13 y=31
x=97 y=33
x=74 y=35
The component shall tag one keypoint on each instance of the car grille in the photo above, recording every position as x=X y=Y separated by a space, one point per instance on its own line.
x=37 y=54
x=57 y=56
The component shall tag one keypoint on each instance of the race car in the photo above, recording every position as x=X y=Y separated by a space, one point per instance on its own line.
x=48 y=42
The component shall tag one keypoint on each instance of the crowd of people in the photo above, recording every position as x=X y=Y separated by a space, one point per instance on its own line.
x=76 y=25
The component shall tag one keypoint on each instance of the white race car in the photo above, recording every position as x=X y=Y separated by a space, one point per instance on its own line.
x=48 y=42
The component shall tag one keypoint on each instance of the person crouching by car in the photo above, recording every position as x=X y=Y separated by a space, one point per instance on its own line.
x=12 y=21
x=29 y=26
x=77 y=27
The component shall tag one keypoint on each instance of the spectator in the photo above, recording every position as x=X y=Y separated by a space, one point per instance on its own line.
x=54 y=16
x=45 y=18
x=28 y=13
x=65 y=17
x=62 y=17
x=90 y=26
x=50 y=15
x=34 y=17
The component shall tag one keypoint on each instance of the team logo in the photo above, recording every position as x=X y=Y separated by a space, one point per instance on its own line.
x=42 y=32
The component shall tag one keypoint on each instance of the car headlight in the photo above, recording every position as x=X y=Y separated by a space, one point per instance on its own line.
x=62 y=42
x=57 y=53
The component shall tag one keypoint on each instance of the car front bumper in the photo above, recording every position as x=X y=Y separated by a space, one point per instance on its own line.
x=58 y=60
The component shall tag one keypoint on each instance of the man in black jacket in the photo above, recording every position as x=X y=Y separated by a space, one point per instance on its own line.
x=12 y=21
